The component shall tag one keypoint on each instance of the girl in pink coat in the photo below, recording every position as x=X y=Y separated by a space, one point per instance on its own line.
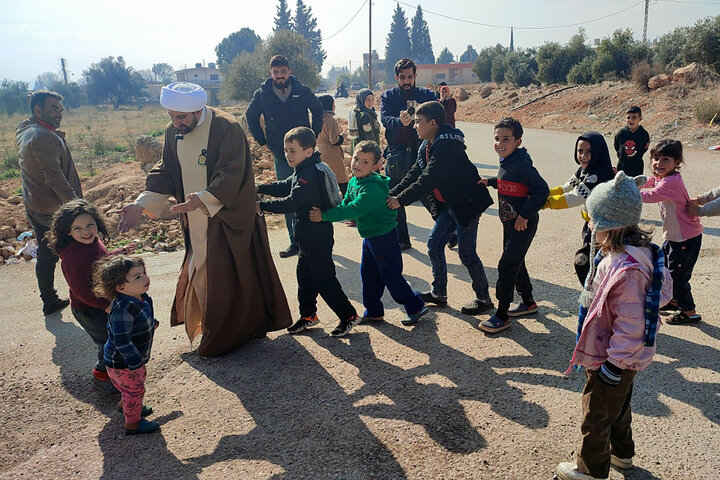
x=617 y=325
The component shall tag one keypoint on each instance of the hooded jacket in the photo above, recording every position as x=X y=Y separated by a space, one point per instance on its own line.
x=521 y=189
x=367 y=119
x=281 y=116
x=576 y=190
x=393 y=102
x=446 y=175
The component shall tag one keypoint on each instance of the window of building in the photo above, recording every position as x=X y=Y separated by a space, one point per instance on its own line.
x=440 y=76
x=214 y=76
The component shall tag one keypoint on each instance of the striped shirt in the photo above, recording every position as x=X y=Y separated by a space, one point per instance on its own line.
x=131 y=326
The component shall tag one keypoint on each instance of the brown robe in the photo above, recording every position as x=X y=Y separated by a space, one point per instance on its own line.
x=245 y=298
x=330 y=153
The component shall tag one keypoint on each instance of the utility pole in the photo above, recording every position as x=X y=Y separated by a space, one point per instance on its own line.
x=370 y=84
x=647 y=6
x=63 y=69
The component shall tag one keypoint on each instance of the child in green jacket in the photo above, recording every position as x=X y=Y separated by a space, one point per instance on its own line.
x=381 y=264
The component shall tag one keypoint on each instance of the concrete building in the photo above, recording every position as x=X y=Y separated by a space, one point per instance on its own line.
x=208 y=77
x=378 y=67
x=450 y=73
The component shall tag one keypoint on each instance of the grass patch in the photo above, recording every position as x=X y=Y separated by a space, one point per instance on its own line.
x=707 y=109
x=11 y=159
x=120 y=148
x=17 y=191
x=88 y=174
x=10 y=173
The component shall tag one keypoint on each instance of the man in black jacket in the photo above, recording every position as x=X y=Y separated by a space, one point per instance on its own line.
x=284 y=103
x=446 y=177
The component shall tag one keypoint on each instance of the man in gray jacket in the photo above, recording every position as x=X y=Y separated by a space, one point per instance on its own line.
x=49 y=179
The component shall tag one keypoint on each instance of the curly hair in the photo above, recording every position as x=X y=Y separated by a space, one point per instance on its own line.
x=59 y=234
x=109 y=273
x=634 y=235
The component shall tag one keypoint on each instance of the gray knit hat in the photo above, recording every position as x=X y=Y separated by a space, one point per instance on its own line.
x=611 y=205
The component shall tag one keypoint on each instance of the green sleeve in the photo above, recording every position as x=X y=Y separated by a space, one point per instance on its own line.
x=368 y=199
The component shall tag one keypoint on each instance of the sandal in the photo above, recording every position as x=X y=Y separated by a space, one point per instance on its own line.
x=681 y=318
x=145 y=426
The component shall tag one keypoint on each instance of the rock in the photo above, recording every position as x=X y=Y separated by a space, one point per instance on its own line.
x=14 y=200
x=3 y=193
x=6 y=231
x=462 y=95
x=7 y=252
x=512 y=95
x=659 y=81
x=485 y=91
x=148 y=150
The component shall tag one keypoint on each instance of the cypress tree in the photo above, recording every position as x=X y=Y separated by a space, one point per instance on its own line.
x=283 y=20
x=421 y=44
x=397 y=45
x=306 y=25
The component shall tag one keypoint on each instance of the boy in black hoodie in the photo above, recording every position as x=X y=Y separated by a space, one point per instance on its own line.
x=312 y=184
x=444 y=175
x=521 y=194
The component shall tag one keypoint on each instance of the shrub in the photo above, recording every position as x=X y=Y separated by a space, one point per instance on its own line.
x=11 y=159
x=643 y=71
x=581 y=72
x=707 y=109
x=120 y=148
x=11 y=173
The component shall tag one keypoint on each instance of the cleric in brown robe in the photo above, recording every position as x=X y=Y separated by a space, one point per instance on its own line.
x=228 y=289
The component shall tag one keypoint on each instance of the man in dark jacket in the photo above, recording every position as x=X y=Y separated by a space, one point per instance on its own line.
x=284 y=103
x=397 y=109
x=445 y=174
x=49 y=179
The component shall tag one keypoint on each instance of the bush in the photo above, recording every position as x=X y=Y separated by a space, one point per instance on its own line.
x=581 y=72
x=11 y=173
x=707 y=109
x=11 y=159
x=643 y=71
x=120 y=148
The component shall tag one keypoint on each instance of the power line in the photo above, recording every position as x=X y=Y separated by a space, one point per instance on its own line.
x=348 y=22
x=524 y=28
x=689 y=1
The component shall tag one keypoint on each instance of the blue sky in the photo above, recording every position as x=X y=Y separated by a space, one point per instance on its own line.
x=36 y=33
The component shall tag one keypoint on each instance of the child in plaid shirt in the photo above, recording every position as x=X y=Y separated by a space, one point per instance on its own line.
x=131 y=326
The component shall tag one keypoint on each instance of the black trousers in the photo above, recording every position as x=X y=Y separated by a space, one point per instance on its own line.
x=46 y=259
x=582 y=256
x=512 y=273
x=680 y=258
x=316 y=275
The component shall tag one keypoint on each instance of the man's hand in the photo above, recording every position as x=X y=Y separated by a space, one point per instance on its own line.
x=315 y=215
x=193 y=202
x=257 y=208
x=483 y=180
x=405 y=118
x=692 y=208
x=393 y=203
x=130 y=216
x=521 y=223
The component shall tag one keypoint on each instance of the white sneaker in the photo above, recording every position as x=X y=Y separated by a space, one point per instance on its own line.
x=623 y=463
x=569 y=471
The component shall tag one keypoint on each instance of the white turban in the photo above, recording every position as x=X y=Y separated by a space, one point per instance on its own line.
x=183 y=97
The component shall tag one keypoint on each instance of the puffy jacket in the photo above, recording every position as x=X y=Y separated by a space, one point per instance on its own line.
x=444 y=171
x=48 y=173
x=392 y=103
x=281 y=116
x=521 y=189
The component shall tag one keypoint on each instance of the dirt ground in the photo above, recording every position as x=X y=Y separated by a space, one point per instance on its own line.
x=440 y=400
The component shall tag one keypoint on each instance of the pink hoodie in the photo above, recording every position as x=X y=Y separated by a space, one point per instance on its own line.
x=614 y=328
x=672 y=195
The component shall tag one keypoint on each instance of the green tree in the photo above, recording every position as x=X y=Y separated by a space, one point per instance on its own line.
x=420 y=43
x=553 y=63
x=469 y=55
x=243 y=76
x=521 y=67
x=704 y=43
x=111 y=80
x=582 y=72
x=670 y=48
x=334 y=73
x=484 y=62
x=244 y=40
x=73 y=94
x=163 y=72
x=397 y=44
x=283 y=19
x=13 y=96
x=47 y=81
x=613 y=58
x=445 y=56
x=306 y=25
x=497 y=69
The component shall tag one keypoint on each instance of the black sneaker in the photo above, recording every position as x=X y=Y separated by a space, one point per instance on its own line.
x=290 y=251
x=405 y=246
x=452 y=242
x=303 y=324
x=55 y=306
x=476 y=307
x=430 y=297
x=413 y=319
x=345 y=326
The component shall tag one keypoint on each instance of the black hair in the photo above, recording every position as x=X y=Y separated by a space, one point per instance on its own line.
x=110 y=272
x=369 y=146
x=327 y=102
x=304 y=136
x=634 y=109
x=59 y=233
x=404 y=64
x=432 y=111
x=512 y=124
x=279 y=61
x=38 y=97
x=668 y=148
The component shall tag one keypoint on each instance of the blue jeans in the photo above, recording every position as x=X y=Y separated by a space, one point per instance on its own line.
x=381 y=266
x=283 y=171
x=445 y=225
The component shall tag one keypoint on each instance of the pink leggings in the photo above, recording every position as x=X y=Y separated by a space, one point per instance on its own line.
x=131 y=384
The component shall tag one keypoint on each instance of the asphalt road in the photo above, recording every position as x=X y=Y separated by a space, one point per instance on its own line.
x=439 y=400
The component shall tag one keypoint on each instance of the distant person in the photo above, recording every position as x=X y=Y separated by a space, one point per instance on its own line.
x=449 y=104
x=49 y=179
x=228 y=289
x=631 y=142
x=329 y=142
x=284 y=104
x=312 y=184
x=366 y=118
x=381 y=265
x=438 y=94
x=131 y=328
x=397 y=109
x=682 y=233
x=617 y=327
x=592 y=154
x=445 y=175
x=521 y=194
x=74 y=236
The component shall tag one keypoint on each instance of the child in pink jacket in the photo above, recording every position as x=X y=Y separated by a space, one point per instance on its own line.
x=617 y=325
x=682 y=232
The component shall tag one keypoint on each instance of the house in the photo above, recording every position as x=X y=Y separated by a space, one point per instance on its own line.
x=450 y=73
x=378 y=66
x=208 y=77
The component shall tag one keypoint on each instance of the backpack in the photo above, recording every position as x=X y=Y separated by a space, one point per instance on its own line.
x=352 y=123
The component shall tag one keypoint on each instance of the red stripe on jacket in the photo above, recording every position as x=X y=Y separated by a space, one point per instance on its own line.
x=512 y=189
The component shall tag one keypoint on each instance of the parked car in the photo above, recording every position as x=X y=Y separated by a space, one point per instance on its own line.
x=322 y=87
x=358 y=85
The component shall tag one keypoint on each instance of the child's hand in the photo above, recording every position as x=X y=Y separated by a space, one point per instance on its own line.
x=315 y=215
x=483 y=180
x=129 y=249
x=392 y=203
x=521 y=223
x=692 y=209
x=257 y=208
x=696 y=201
